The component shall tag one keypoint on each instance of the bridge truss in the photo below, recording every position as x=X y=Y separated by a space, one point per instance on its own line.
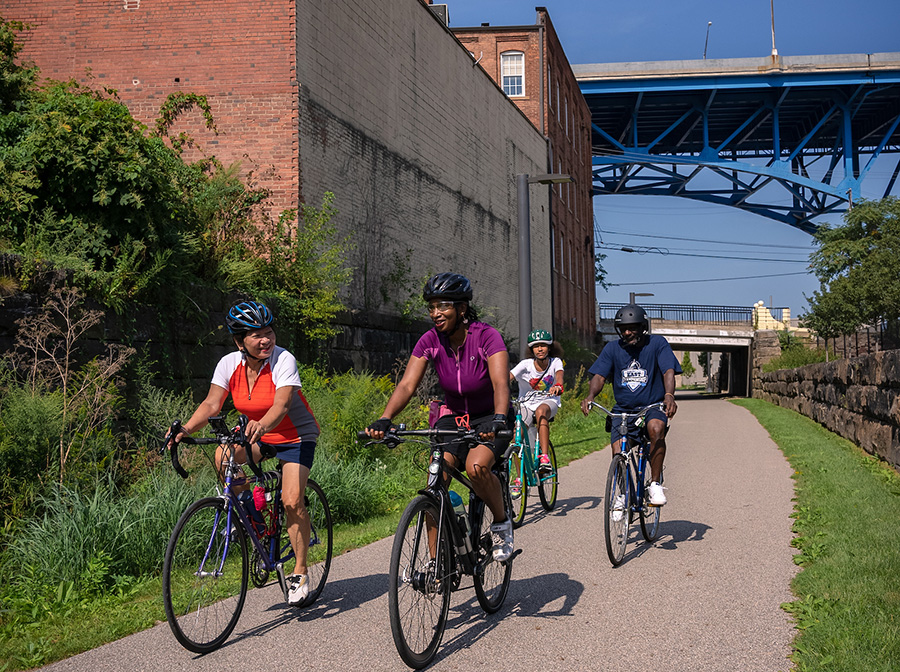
x=790 y=139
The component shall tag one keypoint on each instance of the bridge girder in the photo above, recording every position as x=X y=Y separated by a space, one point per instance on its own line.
x=791 y=141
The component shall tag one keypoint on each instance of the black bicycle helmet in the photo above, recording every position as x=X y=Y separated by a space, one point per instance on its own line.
x=247 y=316
x=448 y=286
x=631 y=314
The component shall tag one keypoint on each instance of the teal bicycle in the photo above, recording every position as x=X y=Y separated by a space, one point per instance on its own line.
x=524 y=468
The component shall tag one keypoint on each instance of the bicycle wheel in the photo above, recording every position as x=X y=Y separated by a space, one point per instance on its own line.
x=418 y=592
x=617 y=517
x=518 y=491
x=649 y=514
x=318 y=559
x=204 y=578
x=548 y=482
x=491 y=577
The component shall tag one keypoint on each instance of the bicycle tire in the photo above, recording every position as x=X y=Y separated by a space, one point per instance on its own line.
x=616 y=506
x=517 y=503
x=549 y=483
x=419 y=594
x=649 y=515
x=491 y=577
x=318 y=560
x=204 y=581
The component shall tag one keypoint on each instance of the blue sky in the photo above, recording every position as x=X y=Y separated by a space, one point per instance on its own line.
x=599 y=31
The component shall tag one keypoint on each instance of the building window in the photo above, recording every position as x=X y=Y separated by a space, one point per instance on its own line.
x=512 y=73
x=567 y=116
x=550 y=85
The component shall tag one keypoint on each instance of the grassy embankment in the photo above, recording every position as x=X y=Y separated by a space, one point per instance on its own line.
x=847 y=507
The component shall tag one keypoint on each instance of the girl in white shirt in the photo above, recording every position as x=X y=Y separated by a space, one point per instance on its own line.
x=543 y=373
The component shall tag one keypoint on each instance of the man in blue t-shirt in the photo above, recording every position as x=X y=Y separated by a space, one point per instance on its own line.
x=642 y=368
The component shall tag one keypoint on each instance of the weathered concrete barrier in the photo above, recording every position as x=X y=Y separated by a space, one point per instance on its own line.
x=857 y=398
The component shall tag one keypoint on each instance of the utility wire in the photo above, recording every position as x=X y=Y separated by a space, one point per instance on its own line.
x=680 y=282
x=684 y=249
x=703 y=240
x=647 y=250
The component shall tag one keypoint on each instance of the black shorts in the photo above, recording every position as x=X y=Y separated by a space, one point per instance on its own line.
x=298 y=453
x=634 y=432
x=460 y=449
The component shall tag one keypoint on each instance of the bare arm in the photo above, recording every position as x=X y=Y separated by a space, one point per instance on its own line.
x=498 y=369
x=209 y=407
x=596 y=386
x=557 y=384
x=406 y=388
x=669 y=400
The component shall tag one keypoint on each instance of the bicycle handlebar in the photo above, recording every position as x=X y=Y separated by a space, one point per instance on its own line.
x=223 y=436
x=394 y=436
x=625 y=414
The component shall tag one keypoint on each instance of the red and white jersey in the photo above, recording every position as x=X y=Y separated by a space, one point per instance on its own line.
x=279 y=370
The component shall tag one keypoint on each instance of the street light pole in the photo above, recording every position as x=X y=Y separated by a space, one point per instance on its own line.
x=524 y=262
x=524 y=221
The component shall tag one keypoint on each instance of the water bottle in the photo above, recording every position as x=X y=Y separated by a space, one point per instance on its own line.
x=460 y=510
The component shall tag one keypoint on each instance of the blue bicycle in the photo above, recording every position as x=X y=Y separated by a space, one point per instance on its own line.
x=207 y=564
x=627 y=483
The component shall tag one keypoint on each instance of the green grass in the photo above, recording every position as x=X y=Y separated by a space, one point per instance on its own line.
x=847 y=510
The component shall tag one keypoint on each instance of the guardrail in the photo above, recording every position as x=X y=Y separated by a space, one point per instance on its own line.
x=724 y=315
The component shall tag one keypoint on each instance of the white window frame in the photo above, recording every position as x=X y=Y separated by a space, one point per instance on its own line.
x=513 y=70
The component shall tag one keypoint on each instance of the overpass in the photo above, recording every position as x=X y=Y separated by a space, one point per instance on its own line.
x=788 y=138
x=729 y=330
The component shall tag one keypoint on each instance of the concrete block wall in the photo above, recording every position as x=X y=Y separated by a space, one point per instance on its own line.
x=421 y=150
x=858 y=398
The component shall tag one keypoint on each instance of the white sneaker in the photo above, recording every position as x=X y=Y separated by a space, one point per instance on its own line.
x=299 y=588
x=503 y=540
x=618 y=512
x=656 y=494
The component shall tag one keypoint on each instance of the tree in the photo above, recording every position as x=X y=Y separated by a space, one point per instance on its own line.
x=687 y=367
x=858 y=266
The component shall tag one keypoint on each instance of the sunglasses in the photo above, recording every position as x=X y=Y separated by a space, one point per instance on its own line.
x=442 y=306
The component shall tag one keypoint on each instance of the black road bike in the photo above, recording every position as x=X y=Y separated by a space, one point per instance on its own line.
x=434 y=547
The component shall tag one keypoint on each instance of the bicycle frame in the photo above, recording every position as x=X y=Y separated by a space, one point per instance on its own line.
x=637 y=461
x=273 y=557
x=528 y=454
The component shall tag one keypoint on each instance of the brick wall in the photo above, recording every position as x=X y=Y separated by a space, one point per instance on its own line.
x=239 y=54
x=376 y=102
x=858 y=398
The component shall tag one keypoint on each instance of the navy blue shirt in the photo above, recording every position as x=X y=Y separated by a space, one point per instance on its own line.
x=636 y=372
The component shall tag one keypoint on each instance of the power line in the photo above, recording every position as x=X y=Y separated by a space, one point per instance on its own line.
x=680 y=282
x=704 y=240
x=688 y=249
x=648 y=250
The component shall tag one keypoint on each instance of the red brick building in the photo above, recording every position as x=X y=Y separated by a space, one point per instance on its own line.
x=376 y=103
x=530 y=65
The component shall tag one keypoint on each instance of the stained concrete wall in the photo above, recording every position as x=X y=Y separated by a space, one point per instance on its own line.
x=857 y=398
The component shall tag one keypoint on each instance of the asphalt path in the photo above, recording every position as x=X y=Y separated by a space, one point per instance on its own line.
x=704 y=597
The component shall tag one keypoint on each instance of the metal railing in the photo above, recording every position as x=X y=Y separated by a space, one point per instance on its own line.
x=725 y=315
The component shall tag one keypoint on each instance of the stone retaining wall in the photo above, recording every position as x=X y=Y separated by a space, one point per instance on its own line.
x=858 y=398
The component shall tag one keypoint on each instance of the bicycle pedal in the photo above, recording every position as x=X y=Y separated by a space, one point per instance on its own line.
x=279 y=570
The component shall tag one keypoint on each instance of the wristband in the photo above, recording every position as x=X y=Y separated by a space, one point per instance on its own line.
x=669 y=394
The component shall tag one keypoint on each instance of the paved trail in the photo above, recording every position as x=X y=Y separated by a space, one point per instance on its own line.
x=705 y=597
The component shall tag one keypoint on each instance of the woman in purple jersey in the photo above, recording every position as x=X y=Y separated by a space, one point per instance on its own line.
x=472 y=366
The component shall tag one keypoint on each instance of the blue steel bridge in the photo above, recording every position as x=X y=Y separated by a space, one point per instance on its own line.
x=788 y=138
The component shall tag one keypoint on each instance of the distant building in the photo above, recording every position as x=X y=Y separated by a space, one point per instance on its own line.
x=529 y=64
